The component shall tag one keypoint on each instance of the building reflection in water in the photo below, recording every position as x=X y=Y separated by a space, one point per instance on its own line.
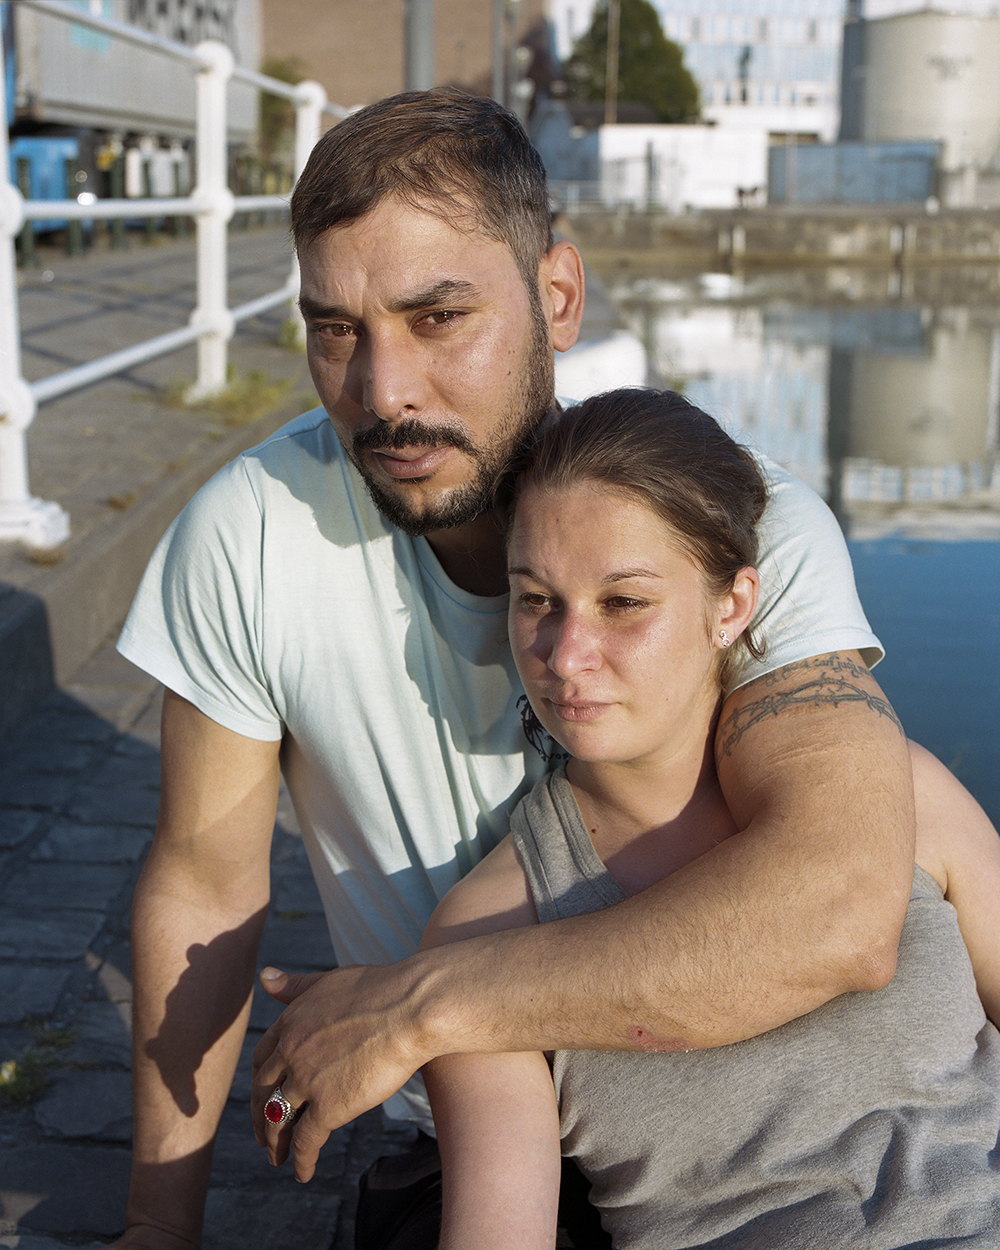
x=889 y=410
x=885 y=398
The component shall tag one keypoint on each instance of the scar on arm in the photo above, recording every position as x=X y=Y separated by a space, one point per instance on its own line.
x=823 y=679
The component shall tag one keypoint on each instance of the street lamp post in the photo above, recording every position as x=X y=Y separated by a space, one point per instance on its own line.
x=611 y=75
x=418 y=59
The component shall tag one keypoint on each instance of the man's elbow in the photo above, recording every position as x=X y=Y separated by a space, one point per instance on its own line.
x=857 y=941
x=874 y=967
x=867 y=913
x=869 y=952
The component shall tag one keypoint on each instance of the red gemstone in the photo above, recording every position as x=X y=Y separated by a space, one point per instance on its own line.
x=274 y=1111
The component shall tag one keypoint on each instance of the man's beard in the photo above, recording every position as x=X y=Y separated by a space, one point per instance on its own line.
x=461 y=504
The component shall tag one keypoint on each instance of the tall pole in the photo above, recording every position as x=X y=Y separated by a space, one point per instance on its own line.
x=500 y=51
x=611 y=76
x=418 y=58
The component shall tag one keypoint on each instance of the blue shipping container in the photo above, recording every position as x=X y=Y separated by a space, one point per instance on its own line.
x=47 y=156
x=852 y=173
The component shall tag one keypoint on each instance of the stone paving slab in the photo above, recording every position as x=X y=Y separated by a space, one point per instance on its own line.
x=65 y=989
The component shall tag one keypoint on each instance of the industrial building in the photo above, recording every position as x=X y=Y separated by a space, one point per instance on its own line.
x=80 y=100
x=929 y=75
x=837 y=101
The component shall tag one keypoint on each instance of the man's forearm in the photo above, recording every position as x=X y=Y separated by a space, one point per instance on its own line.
x=193 y=969
x=804 y=904
x=687 y=964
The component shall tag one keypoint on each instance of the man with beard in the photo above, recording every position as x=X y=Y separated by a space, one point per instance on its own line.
x=333 y=602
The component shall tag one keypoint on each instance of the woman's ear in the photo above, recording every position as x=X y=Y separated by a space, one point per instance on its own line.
x=561 y=286
x=737 y=608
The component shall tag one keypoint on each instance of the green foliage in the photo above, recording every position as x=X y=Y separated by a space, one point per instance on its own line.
x=651 y=67
x=276 y=123
x=247 y=397
x=24 y=1078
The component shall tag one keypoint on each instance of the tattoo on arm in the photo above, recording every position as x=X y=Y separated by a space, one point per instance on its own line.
x=832 y=679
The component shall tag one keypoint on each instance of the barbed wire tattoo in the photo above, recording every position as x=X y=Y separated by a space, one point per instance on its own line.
x=826 y=679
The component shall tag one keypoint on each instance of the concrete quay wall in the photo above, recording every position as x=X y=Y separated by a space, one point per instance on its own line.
x=891 y=235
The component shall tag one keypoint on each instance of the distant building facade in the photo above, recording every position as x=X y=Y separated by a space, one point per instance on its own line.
x=773 y=64
x=356 y=51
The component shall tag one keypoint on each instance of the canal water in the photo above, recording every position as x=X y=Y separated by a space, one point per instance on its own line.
x=882 y=391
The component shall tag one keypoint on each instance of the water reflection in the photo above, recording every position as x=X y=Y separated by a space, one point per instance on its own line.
x=882 y=390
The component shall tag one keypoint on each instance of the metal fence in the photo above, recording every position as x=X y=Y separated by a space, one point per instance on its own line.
x=211 y=203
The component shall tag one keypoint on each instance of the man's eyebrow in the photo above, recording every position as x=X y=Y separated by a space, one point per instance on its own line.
x=319 y=311
x=440 y=293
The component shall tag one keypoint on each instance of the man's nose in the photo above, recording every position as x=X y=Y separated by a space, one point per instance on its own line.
x=394 y=386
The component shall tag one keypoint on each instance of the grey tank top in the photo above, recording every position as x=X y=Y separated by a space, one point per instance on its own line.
x=871 y=1124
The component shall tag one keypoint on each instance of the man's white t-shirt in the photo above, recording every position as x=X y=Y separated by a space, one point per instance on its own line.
x=283 y=606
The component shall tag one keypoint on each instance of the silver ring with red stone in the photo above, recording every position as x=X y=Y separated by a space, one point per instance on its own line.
x=278 y=1109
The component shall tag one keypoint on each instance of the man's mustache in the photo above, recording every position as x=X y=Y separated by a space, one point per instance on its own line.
x=410 y=433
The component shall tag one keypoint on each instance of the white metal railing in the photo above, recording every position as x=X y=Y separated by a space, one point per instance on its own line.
x=212 y=205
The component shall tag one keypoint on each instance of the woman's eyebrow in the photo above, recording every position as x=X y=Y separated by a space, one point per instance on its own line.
x=622 y=575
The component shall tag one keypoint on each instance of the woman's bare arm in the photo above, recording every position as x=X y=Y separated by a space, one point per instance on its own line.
x=959 y=846
x=495 y=1115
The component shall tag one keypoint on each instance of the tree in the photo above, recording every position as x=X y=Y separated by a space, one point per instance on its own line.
x=651 y=67
x=276 y=120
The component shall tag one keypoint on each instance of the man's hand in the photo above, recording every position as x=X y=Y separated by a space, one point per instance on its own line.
x=346 y=1042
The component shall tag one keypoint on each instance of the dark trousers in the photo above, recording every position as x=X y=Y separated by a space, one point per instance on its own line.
x=399 y=1204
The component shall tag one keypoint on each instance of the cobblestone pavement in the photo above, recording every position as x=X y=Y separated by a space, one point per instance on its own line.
x=79 y=779
x=80 y=785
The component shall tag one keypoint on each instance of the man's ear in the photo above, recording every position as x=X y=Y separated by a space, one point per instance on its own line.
x=737 y=608
x=561 y=286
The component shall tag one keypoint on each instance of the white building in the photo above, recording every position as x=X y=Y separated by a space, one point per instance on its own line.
x=772 y=65
x=675 y=167
x=681 y=167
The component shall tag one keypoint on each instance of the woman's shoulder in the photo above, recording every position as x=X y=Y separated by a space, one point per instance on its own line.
x=493 y=896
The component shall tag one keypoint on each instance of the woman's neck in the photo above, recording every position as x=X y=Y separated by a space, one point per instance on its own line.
x=647 y=821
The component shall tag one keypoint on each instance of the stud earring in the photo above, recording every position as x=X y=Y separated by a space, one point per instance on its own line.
x=726 y=640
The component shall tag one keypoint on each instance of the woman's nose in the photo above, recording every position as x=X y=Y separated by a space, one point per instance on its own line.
x=573 y=647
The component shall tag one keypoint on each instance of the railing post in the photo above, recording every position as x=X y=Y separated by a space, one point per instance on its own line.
x=212 y=314
x=33 y=521
x=310 y=100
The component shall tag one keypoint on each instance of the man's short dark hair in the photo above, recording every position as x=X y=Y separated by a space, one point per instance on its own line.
x=463 y=157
